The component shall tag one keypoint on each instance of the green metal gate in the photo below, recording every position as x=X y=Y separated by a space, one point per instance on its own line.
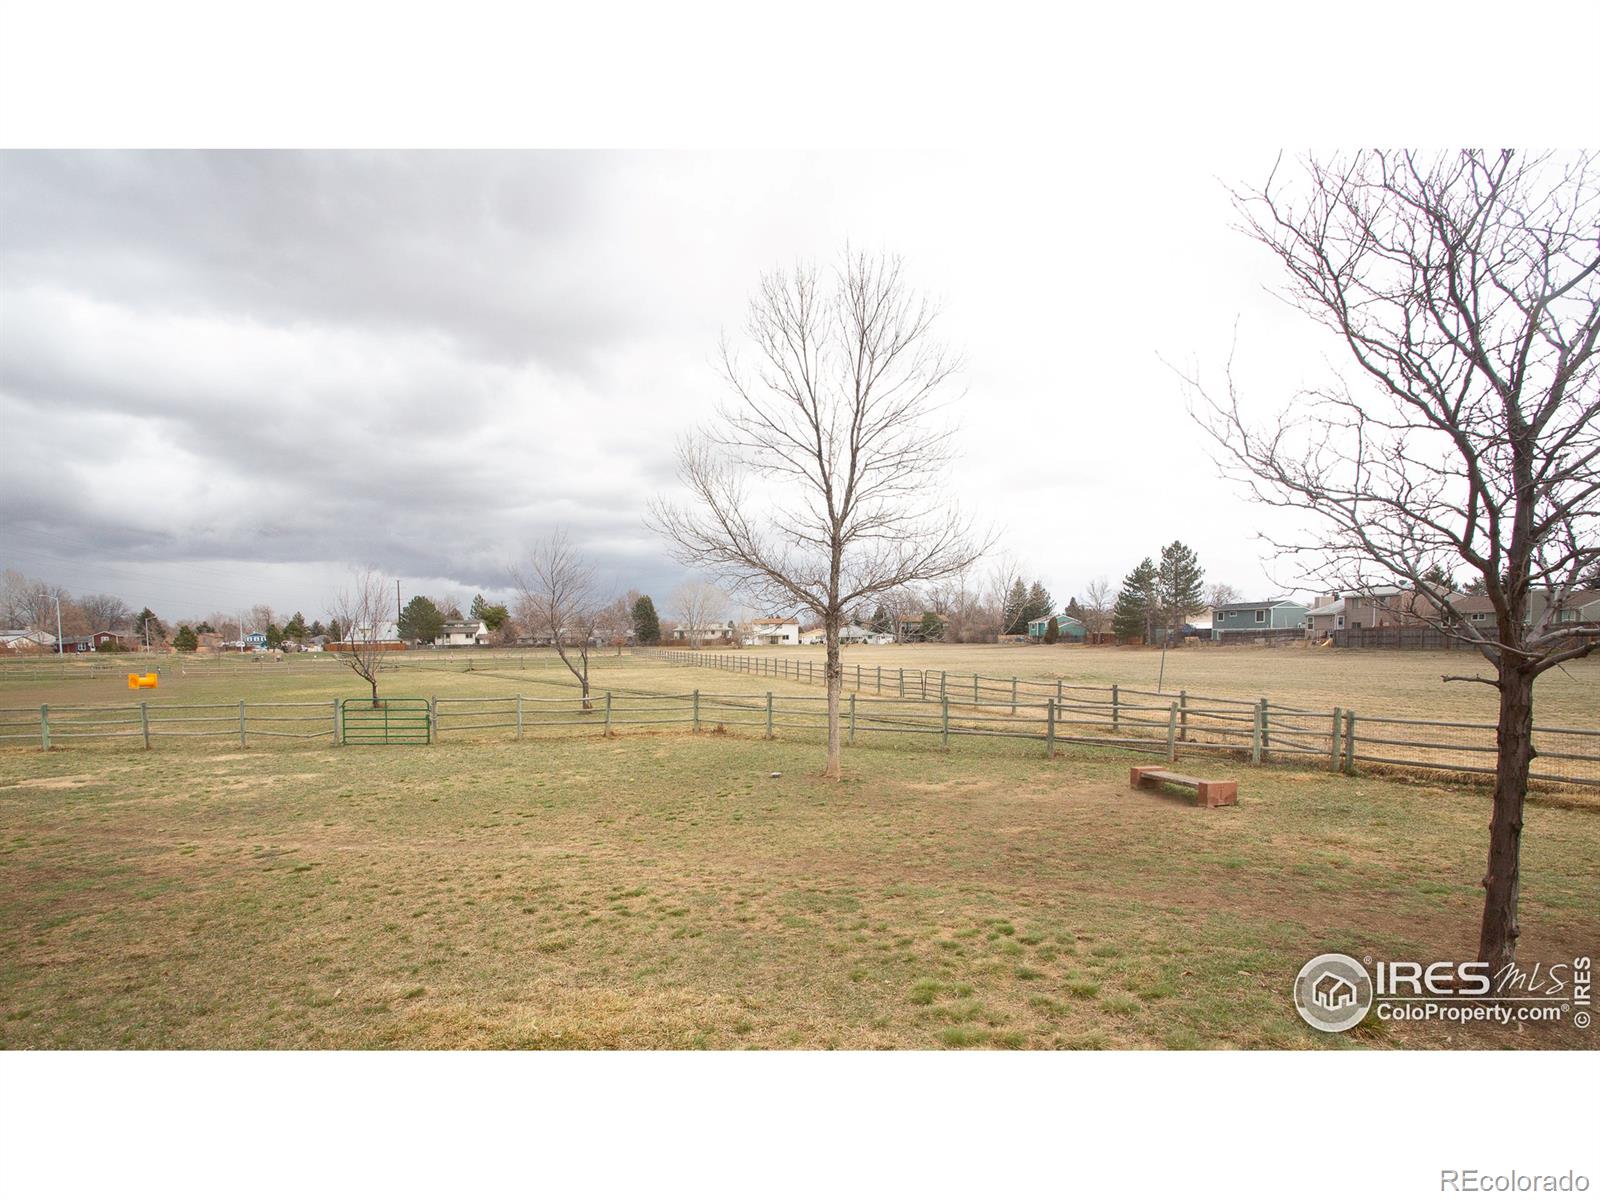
x=405 y=721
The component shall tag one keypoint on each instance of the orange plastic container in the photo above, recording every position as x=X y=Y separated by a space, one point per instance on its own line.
x=142 y=681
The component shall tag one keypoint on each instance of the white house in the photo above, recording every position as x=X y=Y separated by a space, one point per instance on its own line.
x=715 y=632
x=773 y=631
x=849 y=635
x=463 y=633
x=26 y=641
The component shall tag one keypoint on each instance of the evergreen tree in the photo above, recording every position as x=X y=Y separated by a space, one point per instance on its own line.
x=1132 y=616
x=295 y=628
x=932 y=629
x=492 y=615
x=881 y=622
x=1074 y=609
x=1013 y=614
x=646 y=622
x=185 y=639
x=1052 y=632
x=157 y=629
x=335 y=634
x=1179 y=584
x=1038 y=605
x=317 y=629
x=274 y=638
x=204 y=627
x=421 y=620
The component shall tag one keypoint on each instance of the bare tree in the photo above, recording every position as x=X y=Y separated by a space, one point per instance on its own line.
x=262 y=616
x=1218 y=595
x=104 y=612
x=362 y=611
x=695 y=603
x=1466 y=289
x=1099 y=597
x=559 y=600
x=834 y=421
x=30 y=603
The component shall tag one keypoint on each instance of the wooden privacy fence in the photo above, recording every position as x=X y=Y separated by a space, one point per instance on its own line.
x=1137 y=718
x=245 y=665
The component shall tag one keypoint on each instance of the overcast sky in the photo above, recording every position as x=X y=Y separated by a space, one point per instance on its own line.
x=226 y=378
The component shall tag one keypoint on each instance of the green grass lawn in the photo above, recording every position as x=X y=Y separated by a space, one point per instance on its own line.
x=665 y=890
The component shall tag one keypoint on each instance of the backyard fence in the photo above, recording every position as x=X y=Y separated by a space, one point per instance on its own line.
x=110 y=665
x=1189 y=723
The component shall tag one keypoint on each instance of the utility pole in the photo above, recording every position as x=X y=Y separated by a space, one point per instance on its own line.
x=397 y=605
x=241 y=633
x=60 y=646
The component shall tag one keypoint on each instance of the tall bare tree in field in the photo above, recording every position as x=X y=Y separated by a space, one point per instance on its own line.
x=1098 y=598
x=697 y=603
x=560 y=600
x=1465 y=289
x=818 y=489
x=362 y=611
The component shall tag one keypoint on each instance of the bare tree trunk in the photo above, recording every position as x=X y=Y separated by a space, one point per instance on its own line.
x=1497 y=938
x=373 y=680
x=834 y=675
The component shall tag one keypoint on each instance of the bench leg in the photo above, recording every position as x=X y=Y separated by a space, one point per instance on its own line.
x=1215 y=795
x=1135 y=777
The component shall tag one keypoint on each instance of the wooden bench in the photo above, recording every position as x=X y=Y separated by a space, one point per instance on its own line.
x=1210 y=792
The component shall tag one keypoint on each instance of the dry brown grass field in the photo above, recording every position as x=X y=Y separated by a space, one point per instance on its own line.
x=1391 y=683
x=661 y=889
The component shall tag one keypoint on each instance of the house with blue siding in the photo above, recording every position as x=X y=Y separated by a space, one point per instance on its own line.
x=1070 y=628
x=1268 y=618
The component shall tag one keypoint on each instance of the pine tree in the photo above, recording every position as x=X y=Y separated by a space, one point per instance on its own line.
x=295 y=628
x=1038 y=605
x=1074 y=609
x=1179 y=587
x=421 y=620
x=1052 y=632
x=1012 y=615
x=317 y=629
x=335 y=634
x=274 y=637
x=156 y=628
x=1133 y=615
x=646 y=622
x=492 y=615
x=185 y=639
x=881 y=622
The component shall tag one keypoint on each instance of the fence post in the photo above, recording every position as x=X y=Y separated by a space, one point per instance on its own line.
x=1116 y=710
x=858 y=677
x=902 y=683
x=880 y=679
x=241 y=724
x=1013 y=695
x=1183 y=716
x=945 y=711
x=852 y=737
x=1333 y=744
x=144 y=721
x=923 y=674
x=1172 y=732
x=1350 y=742
x=335 y=722
x=769 y=716
x=519 y=716
x=1266 y=739
x=943 y=689
x=433 y=718
x=1255 y=737
x=608 y=715
x=1049 y=728
x=44 y=727
x=974 y=689
x=697 y=710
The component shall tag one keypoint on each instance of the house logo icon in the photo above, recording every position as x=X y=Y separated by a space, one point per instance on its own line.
x=1333 y=992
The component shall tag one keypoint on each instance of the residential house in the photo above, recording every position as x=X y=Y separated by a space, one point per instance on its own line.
x=463 y=633
x=909 y=627
x=1068 y=629
x=849 y=635
x=26 y=641
x=774 y=631
x=125 y=639
x=1258 y=618
x=1580 y=608
x=716 y=633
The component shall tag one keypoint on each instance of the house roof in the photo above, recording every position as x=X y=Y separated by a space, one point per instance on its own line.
x=1244 y=604
x=1327 y=610
x=461 y=626
x=776 y=621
